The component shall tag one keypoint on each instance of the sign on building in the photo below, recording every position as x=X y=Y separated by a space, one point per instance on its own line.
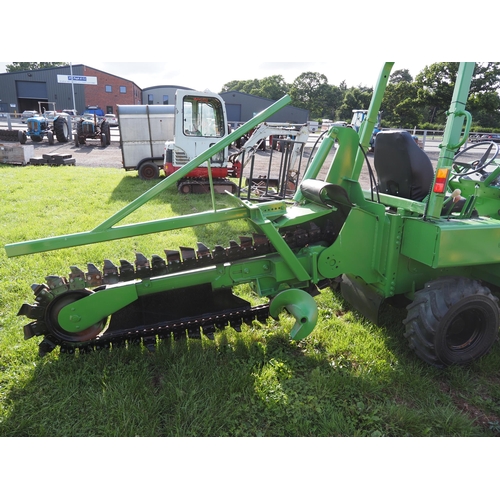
x=88 y=80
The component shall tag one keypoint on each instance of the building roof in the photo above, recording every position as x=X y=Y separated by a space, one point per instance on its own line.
x=68 y=66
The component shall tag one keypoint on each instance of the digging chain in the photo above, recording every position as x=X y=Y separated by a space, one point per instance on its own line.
x=80 y=282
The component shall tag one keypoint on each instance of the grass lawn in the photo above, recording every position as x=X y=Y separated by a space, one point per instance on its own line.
x=348 y=378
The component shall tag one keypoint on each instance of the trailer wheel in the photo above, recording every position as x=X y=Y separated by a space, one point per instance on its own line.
x=148 y=171
x=452 y=321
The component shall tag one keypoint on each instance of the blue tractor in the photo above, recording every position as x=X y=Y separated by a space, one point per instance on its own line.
x=91 y=126
x=48 y=124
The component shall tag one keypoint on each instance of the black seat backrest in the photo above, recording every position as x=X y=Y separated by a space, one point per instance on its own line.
x=403 y=169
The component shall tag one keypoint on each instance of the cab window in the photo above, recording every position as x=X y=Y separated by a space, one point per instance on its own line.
x=203 y=116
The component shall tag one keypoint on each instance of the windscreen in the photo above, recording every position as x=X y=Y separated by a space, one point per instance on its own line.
x=203 y=117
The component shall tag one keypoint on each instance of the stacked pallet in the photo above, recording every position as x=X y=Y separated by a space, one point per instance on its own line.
x=66 y=159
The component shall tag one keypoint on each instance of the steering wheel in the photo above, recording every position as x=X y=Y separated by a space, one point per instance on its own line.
x=477 y=165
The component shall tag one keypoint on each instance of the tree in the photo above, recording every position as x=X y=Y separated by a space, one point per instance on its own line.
x=437 y=82
x=485 y=109
x=272 y=87
x=31 y=66
x=399 y=105
x=310 y=91
x=401 y=75
x=246 y=86
x=354 y=98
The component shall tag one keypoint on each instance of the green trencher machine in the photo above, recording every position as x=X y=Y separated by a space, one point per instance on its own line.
x=427 y=236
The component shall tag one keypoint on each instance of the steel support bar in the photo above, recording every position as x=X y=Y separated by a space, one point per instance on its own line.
x=452 y=137
x=125 y=231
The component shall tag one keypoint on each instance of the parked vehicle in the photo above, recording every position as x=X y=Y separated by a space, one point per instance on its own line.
x=47 y=124
x=94 y=110
x=111 y=119
x=491 y=137
x=155 y=138
x=90 y=127
x=28 y=114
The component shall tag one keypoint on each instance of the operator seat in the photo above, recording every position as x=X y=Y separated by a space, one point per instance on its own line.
x=403 y=169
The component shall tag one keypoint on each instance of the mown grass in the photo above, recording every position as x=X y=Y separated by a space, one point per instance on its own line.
x=348 y=378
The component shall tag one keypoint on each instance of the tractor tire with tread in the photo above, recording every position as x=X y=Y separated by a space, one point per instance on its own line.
x=61 y=129
x=106 y=130
x=452 y=321
x=80 y=138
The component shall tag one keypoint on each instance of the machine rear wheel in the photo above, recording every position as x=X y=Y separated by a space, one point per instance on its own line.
x=61 y=129
x=452 y=321
x=105 y=129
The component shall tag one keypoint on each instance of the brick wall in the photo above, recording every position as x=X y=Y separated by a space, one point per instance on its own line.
x=96 y=95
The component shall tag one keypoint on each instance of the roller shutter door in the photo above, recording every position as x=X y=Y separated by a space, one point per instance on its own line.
x=31 y=90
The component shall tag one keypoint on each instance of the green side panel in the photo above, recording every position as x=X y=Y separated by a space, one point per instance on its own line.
x=452 y=243
x=357 y=248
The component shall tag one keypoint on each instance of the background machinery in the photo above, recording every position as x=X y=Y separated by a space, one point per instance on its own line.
x=155 y=138
x=47 y=124
x=427 y=238
x=91 y=126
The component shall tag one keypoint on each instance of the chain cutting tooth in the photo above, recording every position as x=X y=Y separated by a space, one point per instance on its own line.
x=34 y=311
x=34 y=329
x=203 y=251
x=57 y=284
x=158 y=265
x=76 y=278
x=209 y=331
x=261 y=243
x=150 y=343
x=109 y=273
x=188 y=257
x=246 y=246
x=233 y=251
x=45 y=347
x=219 y=254
x=142 y=266
x=127 y=271
x=93 y=276
x=301 y=237
x=173 y=260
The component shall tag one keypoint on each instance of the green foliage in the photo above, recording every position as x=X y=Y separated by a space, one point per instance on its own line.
x=408 y=102
x=348 y=378
x=30 y=66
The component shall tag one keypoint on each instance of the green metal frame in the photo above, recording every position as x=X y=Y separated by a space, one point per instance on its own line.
x=385 y=246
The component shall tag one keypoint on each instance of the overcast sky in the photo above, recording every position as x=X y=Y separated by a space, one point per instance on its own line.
x=202 y=76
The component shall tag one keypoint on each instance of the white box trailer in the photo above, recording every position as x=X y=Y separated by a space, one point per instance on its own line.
x=158 y=137
x=144 y=129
